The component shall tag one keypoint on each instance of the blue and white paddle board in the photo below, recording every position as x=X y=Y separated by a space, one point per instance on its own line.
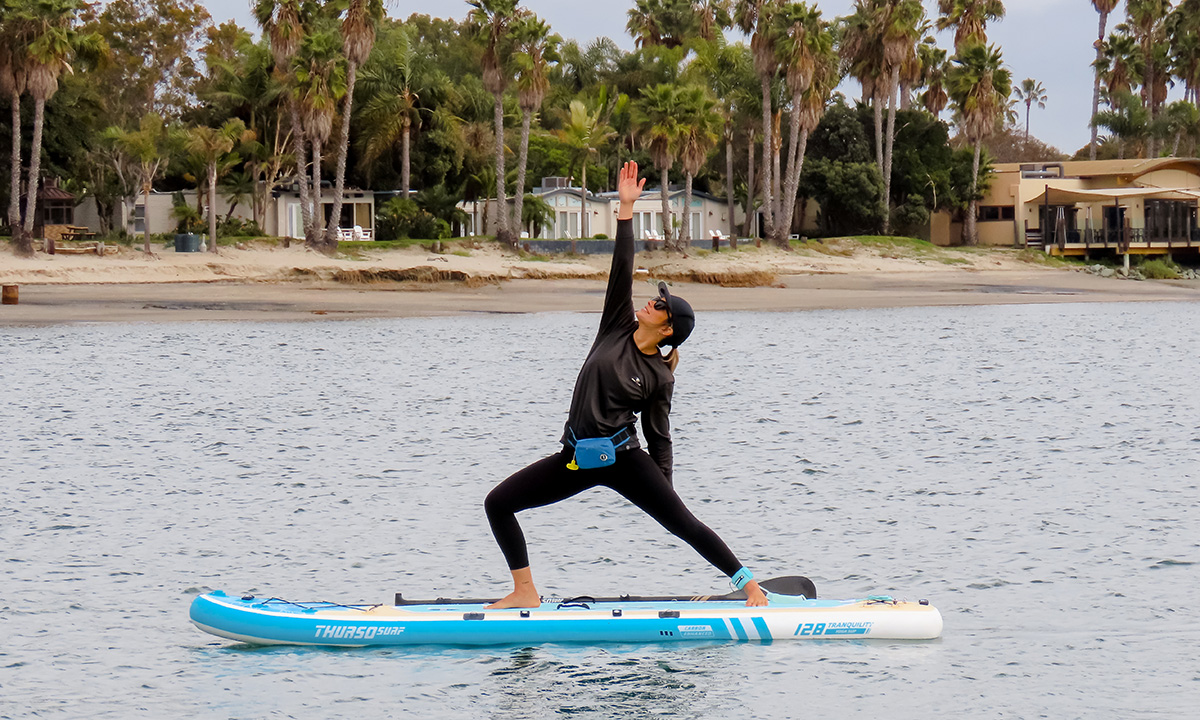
x=273 y=621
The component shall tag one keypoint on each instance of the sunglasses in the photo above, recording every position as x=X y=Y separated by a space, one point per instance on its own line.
x=661 y=304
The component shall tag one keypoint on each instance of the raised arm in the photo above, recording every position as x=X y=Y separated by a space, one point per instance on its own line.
x=618 y=300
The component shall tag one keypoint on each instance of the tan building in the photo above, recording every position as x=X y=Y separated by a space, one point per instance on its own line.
x=1085 y=207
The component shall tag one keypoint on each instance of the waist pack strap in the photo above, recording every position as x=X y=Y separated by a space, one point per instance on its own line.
x=618 y=439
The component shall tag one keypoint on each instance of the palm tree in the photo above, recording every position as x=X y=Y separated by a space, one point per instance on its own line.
x=1183 y=30
x=979 y=85
x=714 y=16
x=320 y=81
x=1147 y=24
x=284 y=23
x=969 y=18
x=755 y=18
x=812 y=72
x=1128 y=121
x=728 y=70
x=901 y=22
x=535 y=48
x=933 y=77
x=211 y=145
x=1178 y=119
x=698 y=121
x=493 y=21
x=658 y=116
x=395 y=85
x=643 y=25
x=1119 y=64
x=53 y=42
x=861 y=48
x=13 y=86
x=1030 y=92
x=1103 y=7
x=586 y=131
x=358 y=37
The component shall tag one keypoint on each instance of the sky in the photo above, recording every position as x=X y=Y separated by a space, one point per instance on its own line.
x=1047 y=40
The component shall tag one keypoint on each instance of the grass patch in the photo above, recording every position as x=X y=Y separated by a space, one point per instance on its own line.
x=461 y=253
x=1040 y=257
x=954 y=261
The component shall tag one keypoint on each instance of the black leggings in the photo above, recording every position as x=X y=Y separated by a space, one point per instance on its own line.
x=634 y=475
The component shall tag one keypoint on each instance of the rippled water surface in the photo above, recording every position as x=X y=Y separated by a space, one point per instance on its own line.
x=1031 y=470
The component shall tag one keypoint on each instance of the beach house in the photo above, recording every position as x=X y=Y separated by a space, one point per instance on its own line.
x=1088 y=207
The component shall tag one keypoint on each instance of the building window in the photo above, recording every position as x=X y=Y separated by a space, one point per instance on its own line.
x=990 y=213
x=139 y=219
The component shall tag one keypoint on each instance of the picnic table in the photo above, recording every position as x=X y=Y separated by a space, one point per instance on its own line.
x=77 y=232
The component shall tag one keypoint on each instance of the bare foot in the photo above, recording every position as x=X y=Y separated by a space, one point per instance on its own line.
x=754 y=595
x=518 y=599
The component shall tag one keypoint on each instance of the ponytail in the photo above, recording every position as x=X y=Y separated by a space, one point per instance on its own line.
x=672 y=359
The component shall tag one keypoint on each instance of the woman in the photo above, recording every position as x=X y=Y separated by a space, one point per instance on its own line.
x=624 y=373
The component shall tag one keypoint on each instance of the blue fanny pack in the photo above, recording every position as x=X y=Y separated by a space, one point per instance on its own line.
x=592 y=453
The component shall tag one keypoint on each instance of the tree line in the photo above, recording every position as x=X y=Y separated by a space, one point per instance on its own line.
x=734 y=97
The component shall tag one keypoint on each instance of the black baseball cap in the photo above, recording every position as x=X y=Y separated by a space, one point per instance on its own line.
x=683 y=319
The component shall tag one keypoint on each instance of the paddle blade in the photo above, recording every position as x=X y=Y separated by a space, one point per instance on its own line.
x=790 y=585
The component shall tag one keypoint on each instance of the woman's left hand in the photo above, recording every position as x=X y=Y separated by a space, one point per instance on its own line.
x=629 y=188
x=755 y=597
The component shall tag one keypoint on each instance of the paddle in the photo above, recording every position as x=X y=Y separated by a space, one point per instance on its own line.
x=794 y=585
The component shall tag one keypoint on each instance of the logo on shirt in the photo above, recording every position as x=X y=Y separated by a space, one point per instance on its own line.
x=636 y=381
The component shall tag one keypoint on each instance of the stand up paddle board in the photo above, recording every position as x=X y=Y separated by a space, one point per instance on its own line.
x=625 y=619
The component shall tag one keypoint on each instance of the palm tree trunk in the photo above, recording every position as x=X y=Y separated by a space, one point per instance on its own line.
x=788 y=203
x=314 y=239
x=685 y=230
x=1175 y=149
x=24 y=243
x=212 y=207
x=877 y=103
x=666 y=210
x=583 y=202
x=406 y=160
x=768 y=219
x=522 y=163
x=1028 y=107
x=339 y=183
x=789 y=208
x=14 y=197
x=300 y=151
x=1096 y=87
x=729 y=183
x=749 y=226
x=501 y=219
x=969 y=225
x=777 y=174
x=893 y=88
x=146 y=182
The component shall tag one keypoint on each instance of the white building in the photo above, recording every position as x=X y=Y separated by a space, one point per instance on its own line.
x=709 y=214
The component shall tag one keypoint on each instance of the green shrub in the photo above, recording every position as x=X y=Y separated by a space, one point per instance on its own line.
x=401 y=218
x=1160 y=269
x=238 y=227
x=599 y=236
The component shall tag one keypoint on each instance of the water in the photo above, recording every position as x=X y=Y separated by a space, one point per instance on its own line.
x=1031 y=470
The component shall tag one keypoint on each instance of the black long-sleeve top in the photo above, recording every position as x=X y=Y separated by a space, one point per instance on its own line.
x=617 y=380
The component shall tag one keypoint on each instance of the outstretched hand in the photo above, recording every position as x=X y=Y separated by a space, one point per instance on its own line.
x=629 y=188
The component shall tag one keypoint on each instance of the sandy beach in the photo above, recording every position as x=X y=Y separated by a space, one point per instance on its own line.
x=295 y=284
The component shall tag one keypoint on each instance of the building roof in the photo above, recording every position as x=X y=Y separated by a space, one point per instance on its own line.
x=1106 y=168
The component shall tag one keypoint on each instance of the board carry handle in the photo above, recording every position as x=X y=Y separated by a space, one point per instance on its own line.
x=792 y=585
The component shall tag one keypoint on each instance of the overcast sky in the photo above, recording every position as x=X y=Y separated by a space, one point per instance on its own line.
x=1047 y=40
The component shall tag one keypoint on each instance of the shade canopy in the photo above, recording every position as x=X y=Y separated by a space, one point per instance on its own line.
x=1065 y=196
